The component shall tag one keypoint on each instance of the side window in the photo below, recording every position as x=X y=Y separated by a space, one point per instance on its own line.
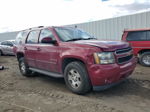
x=33 y=37
x=9 y=44
x=136 y=36
x=4 y=43
x=46 y=33
x=21 y=37
x=148 y=35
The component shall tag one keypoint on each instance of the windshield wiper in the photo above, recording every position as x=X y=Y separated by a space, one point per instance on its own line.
x=74 y=39
x=80 y=39
x=90 y=38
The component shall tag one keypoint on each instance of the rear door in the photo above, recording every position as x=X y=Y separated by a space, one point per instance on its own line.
x=31 y=48
x=138 y=40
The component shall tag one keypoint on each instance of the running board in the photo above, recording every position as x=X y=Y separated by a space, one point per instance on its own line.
x=52 y=74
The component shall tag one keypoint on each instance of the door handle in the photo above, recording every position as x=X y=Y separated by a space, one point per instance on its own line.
x=38 y=49
x=25 y=48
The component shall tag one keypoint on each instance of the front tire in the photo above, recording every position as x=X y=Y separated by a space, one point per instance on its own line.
x=76 y=78
x=144 y=59
x=24 y=69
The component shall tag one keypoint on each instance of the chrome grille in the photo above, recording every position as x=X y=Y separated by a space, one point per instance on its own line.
x=124 y=50
x=124 y=55
x=124 y=59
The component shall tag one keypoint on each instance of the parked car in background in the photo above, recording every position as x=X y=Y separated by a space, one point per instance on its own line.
x=140 y=42
x=83 y=61
x=6 y=47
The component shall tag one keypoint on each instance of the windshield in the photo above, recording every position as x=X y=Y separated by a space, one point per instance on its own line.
x=72 y=34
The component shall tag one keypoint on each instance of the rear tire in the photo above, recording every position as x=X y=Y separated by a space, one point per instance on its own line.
x=24 y=69
x=76 y=78
x=144 y=59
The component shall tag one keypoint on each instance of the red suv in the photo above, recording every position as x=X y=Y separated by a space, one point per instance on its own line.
x=140 y=42
x=85 y=62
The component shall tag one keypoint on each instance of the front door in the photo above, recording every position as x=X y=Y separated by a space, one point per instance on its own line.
x=47 y=54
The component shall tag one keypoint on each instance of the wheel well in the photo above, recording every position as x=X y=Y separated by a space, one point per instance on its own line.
x=1 y=51
x=19 y=55
x=66 y=61
x=144 y=50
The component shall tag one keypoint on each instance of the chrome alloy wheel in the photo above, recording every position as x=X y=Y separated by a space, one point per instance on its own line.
x=146 y=59
x=74 y=78
x=23 y=67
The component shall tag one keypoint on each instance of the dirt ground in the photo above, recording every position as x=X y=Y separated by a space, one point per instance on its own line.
x=47 y=94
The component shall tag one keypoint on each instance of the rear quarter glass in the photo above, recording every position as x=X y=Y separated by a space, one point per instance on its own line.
x=21 y=37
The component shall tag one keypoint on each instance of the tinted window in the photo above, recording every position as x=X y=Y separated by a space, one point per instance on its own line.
x=136 y=36
x=4 y=43
x=46 y=33
x=33 y=37
x=148 y=35
x=9 y=44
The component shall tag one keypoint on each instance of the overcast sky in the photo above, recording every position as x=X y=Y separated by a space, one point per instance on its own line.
x=22 y=14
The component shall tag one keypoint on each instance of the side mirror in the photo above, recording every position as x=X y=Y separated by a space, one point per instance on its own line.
x=48 y=40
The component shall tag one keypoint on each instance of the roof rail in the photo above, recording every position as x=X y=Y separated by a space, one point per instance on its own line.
x=36 y=27
x=40 y=26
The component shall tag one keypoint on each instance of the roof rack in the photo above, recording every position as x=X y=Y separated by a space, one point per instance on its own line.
x=40 y=26
x=36 y=27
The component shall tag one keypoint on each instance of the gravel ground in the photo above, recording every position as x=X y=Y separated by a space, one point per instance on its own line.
x=47 y=94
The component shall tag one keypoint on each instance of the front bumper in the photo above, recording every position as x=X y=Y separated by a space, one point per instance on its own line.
x=104 y=87
x=111 y=74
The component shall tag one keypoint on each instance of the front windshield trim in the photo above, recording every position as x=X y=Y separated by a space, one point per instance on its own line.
x=75 y=39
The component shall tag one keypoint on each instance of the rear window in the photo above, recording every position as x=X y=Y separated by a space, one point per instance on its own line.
x=148 y=35
x=137 y=36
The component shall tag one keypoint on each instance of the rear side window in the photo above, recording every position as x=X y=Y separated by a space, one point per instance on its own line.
x=137 y=36
x=4 y=43
x=7 y=43
x=148 y=35
x=21 y=37
x=33 y=37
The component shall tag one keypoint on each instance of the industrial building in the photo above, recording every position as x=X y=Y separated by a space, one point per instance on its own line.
x=112 y=29
x=107 y=29
x=8 y=36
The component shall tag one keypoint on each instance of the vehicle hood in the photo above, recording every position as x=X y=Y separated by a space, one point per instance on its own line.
x=105 y=45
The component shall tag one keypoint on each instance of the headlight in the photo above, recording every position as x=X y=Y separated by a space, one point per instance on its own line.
x=104 y=58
